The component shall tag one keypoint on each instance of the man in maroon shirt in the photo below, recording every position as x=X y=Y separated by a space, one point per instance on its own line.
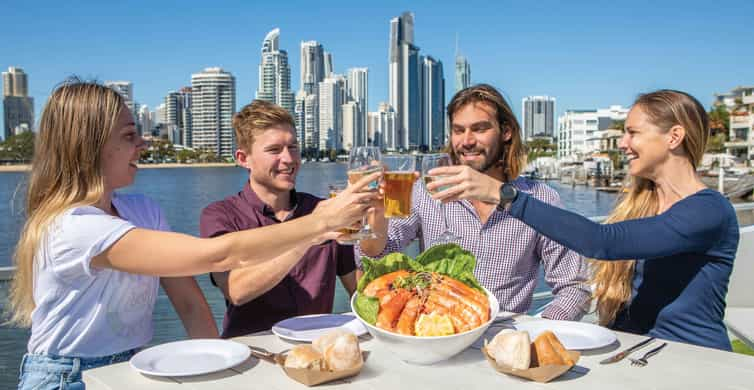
x=302 y=280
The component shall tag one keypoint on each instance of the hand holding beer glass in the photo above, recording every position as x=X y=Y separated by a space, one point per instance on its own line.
x=398 y=185
x=362 y=161
x=429 y=162
x=348 y=232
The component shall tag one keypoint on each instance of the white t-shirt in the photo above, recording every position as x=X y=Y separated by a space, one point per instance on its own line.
x=89 y=312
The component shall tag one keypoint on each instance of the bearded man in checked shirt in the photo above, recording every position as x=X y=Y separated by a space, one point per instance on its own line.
x=485 y=145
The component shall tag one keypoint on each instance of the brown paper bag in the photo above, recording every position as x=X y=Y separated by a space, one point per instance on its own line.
x=542 y=374
x=316 y=377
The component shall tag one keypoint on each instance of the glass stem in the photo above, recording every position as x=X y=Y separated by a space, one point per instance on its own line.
x=444 y=216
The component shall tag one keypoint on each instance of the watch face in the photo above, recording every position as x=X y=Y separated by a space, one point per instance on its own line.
x=509 y=192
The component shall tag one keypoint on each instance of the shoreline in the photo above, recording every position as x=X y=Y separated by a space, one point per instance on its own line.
x=26 y=167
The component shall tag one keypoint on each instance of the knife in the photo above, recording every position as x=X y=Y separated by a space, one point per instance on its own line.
x=621 y=355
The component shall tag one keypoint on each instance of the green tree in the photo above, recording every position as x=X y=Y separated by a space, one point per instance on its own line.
x=19 y=147
x=540 y=147
x=719 y=120
x=716 y=143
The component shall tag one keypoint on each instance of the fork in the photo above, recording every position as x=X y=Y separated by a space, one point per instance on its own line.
x=641 y=362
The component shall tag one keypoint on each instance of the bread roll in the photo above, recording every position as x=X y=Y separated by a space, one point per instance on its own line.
x=304 y=356
x=343 y=353
x=322 y=342
x=511 y=348
x=547 y=350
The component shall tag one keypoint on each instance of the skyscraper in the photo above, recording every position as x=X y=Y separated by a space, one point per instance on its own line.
x=18 y=106
x=275 y=73
x=144 y=120
x=125 y=89
x=312 y=66
x=213 y=93
x=433 y=107
x=538 y=113
x=328 y=64
x=358 y=91
x=178 y=116
x=404 y=80
x=463 y=73
x=311 y=121
x=331 y=98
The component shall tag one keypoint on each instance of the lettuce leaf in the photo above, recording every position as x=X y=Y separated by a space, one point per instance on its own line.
x=373 y=269
x=367 y=308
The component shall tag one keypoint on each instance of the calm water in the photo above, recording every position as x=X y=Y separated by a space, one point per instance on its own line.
x=182 y=193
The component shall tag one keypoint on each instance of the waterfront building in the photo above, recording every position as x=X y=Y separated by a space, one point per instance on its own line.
x=382 y=128
x=275 y=73
x=740 y=105
x=331 y=98
x=585 y=132
x=18 y=106
x=213 y=93
x=404 y=74
x=538 y=117
x=433 y=104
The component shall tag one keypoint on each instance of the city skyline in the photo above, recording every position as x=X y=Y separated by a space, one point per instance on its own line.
x=585 y=67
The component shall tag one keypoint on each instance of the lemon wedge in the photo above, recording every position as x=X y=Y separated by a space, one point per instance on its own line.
x=433 y=324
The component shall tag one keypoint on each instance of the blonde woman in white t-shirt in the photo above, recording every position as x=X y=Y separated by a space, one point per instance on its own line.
x=88 y=260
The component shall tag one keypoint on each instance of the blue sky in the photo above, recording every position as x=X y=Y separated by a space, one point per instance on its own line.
x=586 y=54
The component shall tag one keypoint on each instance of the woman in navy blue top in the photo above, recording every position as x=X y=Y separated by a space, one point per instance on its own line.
x=664 y=258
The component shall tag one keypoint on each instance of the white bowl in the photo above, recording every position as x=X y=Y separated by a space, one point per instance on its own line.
x=429 y=350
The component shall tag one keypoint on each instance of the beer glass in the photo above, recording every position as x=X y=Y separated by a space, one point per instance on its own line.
x=399 y=181
x=334 y=190
x=430 y=161
x=362 y=161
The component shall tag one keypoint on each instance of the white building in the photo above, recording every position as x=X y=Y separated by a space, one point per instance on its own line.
x=741 y=111
x=275 y=73
x=125 y=89
x=583 y=132
x=351 y=125
x=358 y=92
x=213 y=106
x=311 y=122
x=331 y=98
x=312 y=66
x=382 y=128
x=538 y=116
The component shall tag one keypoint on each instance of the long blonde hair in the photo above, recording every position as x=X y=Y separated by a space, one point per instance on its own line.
x=665 y=108
x=65 y=172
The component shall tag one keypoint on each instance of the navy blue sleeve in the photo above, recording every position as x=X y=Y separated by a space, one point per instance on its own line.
x=693 y=224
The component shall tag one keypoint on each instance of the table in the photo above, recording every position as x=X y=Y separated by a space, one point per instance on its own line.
x=678 y=366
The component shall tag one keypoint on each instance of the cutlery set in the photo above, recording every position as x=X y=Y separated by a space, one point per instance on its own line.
x=641 y=362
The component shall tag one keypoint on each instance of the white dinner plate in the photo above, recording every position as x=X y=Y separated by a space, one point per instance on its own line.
x=309 y=328
x=573 y=335
x=190 y=357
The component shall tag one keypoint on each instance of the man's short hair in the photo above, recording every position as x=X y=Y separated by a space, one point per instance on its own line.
x=257 y=117
x=513 y=157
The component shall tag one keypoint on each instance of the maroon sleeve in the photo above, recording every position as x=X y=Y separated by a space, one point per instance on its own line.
x=345 y=259
x=214 y=221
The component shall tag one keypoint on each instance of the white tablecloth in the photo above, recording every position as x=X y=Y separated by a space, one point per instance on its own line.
x=678 y=366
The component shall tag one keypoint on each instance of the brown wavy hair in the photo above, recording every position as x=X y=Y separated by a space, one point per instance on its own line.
x=255 y=118
x=665 y=108
x=513 y=154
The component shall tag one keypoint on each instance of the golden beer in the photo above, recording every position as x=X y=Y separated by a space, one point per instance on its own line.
x=345 y=230
x=398 y=186
x=355 y=175
x=430 y=179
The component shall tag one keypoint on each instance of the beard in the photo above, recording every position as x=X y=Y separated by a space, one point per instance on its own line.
x=491 y=160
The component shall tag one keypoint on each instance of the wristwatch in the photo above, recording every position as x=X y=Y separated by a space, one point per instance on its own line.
x=508 y=194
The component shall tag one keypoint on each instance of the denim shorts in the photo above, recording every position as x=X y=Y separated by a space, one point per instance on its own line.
x=50 y=372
